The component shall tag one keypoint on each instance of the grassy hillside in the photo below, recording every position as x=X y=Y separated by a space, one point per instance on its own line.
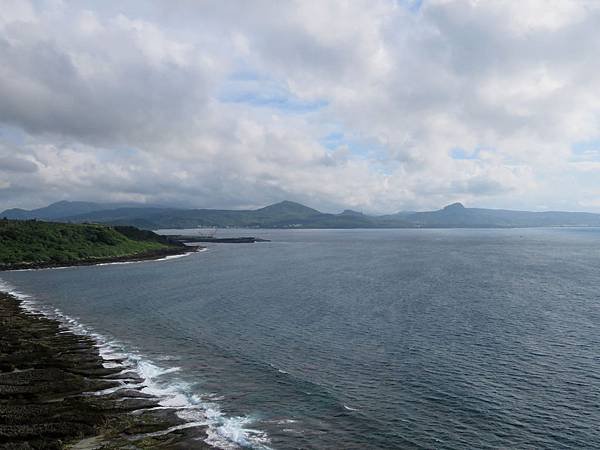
x=33 y=242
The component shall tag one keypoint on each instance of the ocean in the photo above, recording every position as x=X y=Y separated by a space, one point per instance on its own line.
x=354 y=339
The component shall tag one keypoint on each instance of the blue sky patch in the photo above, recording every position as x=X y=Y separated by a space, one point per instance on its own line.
x=461 y=153
x=333 y=140
x=253 y=89
x=414 y=6
x=12 y=135
x=586 y=150
x=360 y=147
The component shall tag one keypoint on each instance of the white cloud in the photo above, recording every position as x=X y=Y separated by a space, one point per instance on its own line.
x=128 y=102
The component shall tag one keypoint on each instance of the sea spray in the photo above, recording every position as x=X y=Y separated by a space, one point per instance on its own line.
x=116 y=263
x=197 y=410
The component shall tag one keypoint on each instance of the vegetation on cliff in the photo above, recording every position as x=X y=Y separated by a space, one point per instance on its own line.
x=30 y=242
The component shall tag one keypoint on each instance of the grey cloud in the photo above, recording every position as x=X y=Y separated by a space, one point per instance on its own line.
x=13 y=164
x=88 y=86
x=482 y=186
x=123 y=98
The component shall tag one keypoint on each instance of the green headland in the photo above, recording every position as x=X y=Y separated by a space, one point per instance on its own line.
x=36 y=244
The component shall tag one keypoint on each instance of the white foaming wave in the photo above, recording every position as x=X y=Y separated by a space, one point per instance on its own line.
x=11 y=290
x=285 y=372
x=45 y=268
x=166 y=258
x=284 y=421
x=233 y=432
x=222 y=431
x=151 y=371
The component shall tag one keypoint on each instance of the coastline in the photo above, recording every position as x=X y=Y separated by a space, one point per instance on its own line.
x=145 y=256
x=57 y=391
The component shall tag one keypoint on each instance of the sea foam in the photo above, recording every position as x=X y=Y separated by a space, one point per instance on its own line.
x=115 y=263
x=195 y=408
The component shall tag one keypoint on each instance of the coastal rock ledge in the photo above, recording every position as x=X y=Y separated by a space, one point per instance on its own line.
x=56 y=393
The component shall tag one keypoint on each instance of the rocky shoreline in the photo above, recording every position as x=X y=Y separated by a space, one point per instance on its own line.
x=57 y=392
x=145 y=256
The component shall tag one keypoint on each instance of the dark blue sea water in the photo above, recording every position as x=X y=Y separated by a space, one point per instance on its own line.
x=364 y=338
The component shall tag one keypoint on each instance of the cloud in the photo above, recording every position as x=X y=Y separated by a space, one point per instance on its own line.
x=234 y=104
x=13 y=164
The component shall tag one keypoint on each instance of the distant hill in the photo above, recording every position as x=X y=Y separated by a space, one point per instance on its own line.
x=63 y=209
x=289 y=214
x=285 y=214
x=456 y=215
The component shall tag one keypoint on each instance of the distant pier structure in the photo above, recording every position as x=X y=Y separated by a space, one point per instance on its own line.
x=208 y=235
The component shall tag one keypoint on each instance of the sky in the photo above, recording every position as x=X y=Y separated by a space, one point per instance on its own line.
x=375 y=105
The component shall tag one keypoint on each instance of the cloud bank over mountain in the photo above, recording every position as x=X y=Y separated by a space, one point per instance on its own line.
x=370 y=105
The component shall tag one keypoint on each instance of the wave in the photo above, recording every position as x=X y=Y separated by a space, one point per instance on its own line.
x=196 y=409
x=284 y=372
x=165 y=258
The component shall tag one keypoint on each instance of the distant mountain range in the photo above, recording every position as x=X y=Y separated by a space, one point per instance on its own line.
x=288 y=214
x=63 y=209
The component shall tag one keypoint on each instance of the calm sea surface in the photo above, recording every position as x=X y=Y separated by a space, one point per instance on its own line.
x=362 y=338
